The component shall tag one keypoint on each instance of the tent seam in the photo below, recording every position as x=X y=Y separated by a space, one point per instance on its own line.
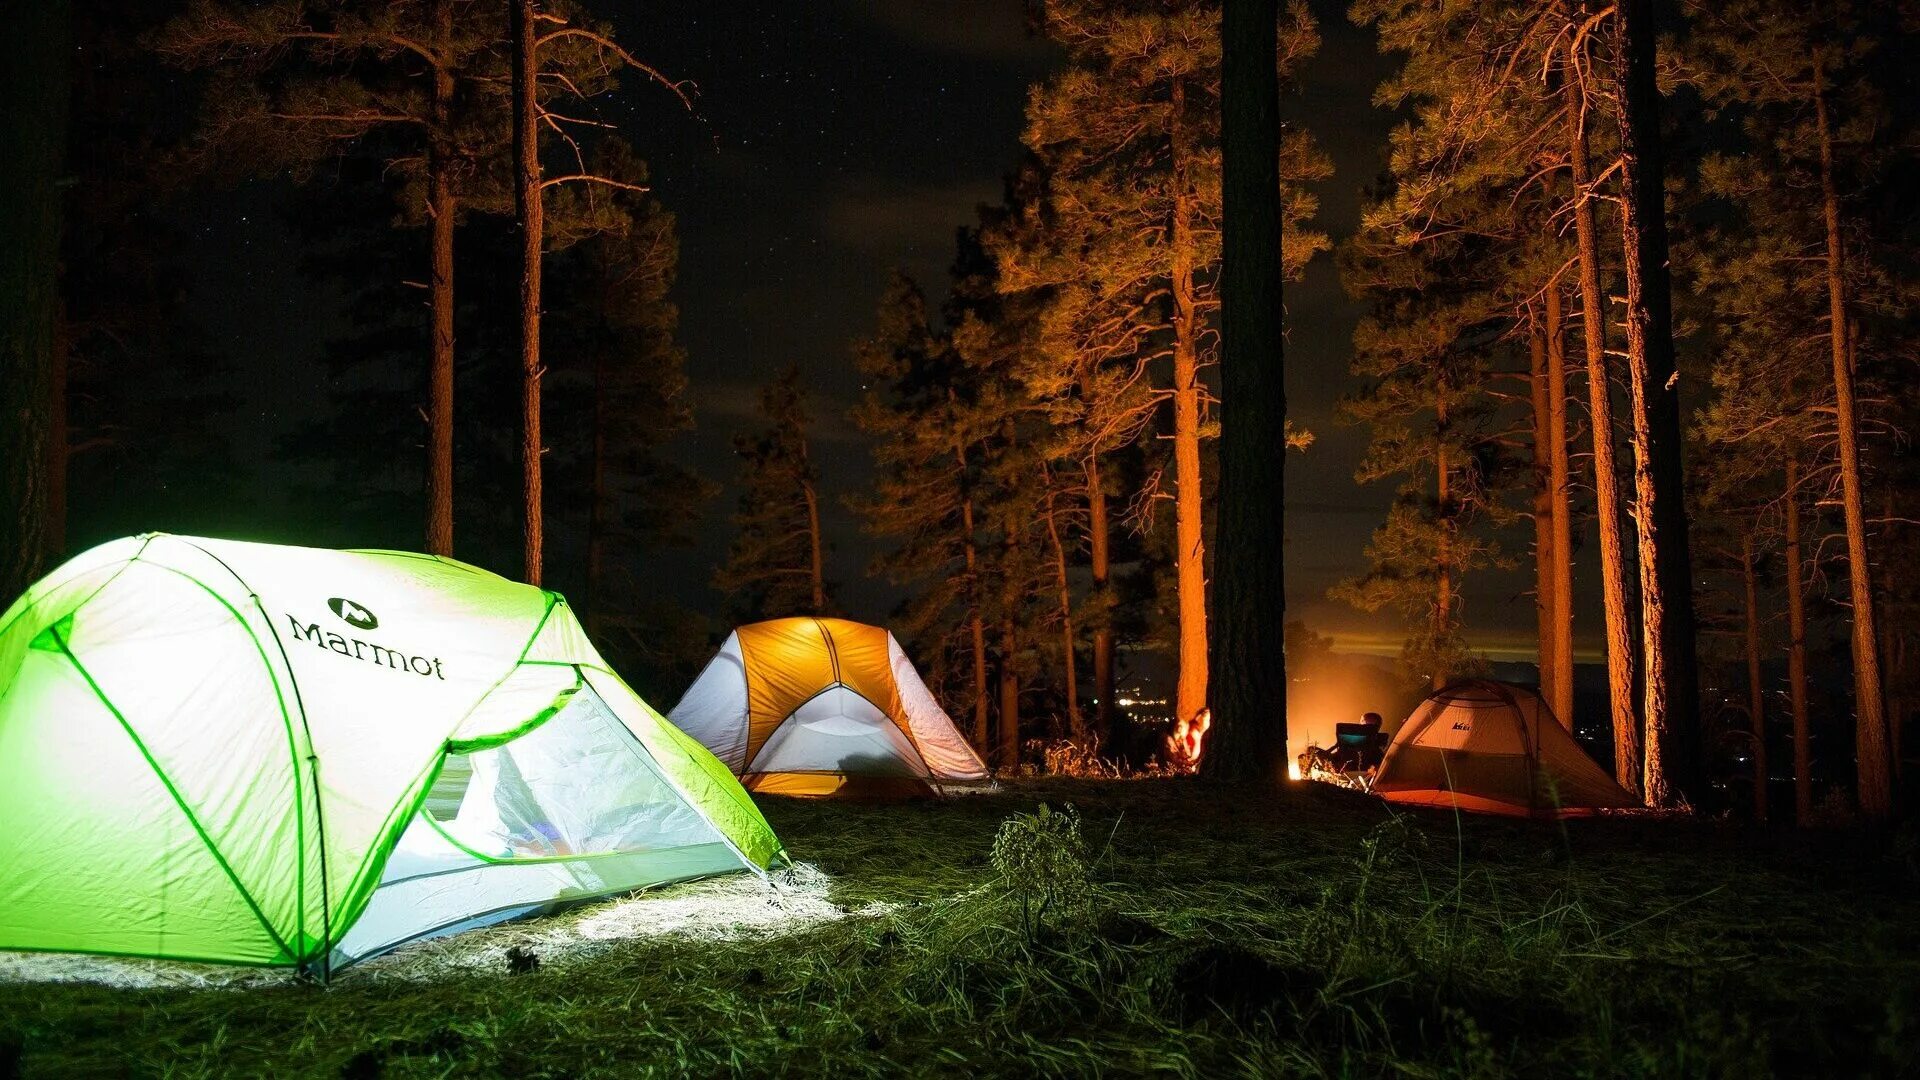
x=167 y=782
x=84 y=601
x=300 y=810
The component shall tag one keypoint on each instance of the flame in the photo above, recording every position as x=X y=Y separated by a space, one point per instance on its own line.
x=1293 y=769
x=1187 y=741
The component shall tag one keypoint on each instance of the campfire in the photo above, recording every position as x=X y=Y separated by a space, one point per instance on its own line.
x=1187 y=741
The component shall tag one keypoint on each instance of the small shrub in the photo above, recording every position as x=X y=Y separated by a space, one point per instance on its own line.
x=1041 y=859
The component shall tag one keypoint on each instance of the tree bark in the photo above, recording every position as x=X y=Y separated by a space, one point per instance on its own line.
x=1544 y=595
x=1796 y=576
x=1189 y=557
x=1441 y=626
x=1756 y=689
x=976 y=625
x=1875 y=777
x=1669 y=693
x=1561 y=486
x=528 y=205
x=1621 y=689
x=1099 y=559
x=1009 y=700
x=1076 y=723
x=34 y=128
x=1248 y=737
x=441 y=211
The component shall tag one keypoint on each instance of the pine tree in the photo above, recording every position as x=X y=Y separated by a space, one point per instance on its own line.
x=1459 y=264
x=1127 y=243
x=617 y=362
x=776 y=564
x=920 y=408
x=1248 y=681
x=421 y=87
x=292 y=83
x=1671 y=763
x=1797 y=74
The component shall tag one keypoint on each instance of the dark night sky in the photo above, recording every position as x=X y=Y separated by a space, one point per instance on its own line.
x=840 y=138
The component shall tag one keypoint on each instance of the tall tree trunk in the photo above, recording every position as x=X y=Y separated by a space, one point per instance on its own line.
x=1756 y=689
x=1892 y=637
x=1616 y=602
x=816 y=562
x=441 y=211
x=1188 y=508
x=1669 y=694
x=527 y=203
x=976 y=625
x=1796 y=576
x=1561 y=487
x=1100 y=563
x=1009 y=699
x=1543 y=573
x=1189 y=556
x=33 y=126
x=1076 y=723
x=1441 y=628
x=1248 y=737
x=1875 y=779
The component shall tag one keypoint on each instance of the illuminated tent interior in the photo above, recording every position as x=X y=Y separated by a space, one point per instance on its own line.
x=1494 y=748
x=245 y=753
x=809 y=706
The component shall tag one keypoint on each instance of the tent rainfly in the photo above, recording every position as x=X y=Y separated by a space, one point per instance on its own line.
x=811 y=706
x=1494 y=748
x=252 y=754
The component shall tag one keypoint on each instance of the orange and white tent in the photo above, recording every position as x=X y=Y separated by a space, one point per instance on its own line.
x=811 y=706
x=1494 y=748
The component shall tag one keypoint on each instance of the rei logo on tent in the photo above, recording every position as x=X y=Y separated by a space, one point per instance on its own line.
x=353 y=614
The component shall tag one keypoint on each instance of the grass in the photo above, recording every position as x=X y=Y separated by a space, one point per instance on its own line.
x=1308 y=932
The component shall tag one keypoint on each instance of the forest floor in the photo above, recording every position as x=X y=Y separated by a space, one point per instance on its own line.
x=1307 y=932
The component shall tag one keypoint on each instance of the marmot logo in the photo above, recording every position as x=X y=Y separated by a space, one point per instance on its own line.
x=353 y=614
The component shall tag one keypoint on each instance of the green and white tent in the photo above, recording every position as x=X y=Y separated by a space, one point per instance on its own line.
x=246 y=753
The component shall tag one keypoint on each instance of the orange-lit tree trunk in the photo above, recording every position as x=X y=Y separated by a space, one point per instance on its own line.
x=441 y=212
x=1189 y=557
x=1756 y=689
x=1099 y=560
x=1561 y=487
x=1606 y=474
x=1796 y=576
x=976 y=625
x=1893 y=652
x=1009 y=698
x=1543 y=574
x=1875 y=779
x=527 y=205
x=1063 y=587
x=1442 y=625
x=1669 y=695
